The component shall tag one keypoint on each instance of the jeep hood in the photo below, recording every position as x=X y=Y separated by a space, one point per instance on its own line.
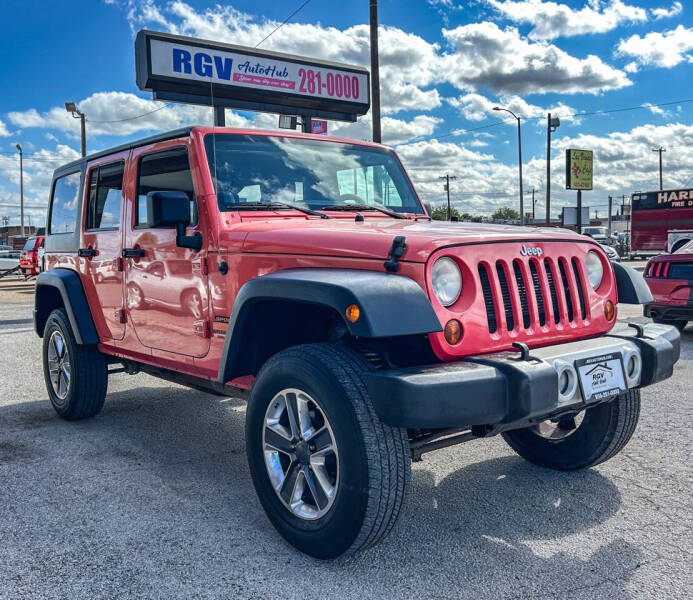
x=373 y=238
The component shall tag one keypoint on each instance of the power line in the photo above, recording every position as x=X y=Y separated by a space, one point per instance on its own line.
x=133 y=118
x=284 y=22
x=581 y=114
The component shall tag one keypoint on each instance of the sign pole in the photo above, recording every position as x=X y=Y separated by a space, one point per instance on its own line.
x=579 y=211
x=219 y=116
x=375 y=72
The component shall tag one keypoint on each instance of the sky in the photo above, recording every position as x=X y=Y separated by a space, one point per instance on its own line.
x=617 y=73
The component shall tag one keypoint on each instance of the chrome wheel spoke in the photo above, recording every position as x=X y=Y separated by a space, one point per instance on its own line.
x=288 y=487
x=316 y=490
x=275 y=440
x=292 y=410
x=321 y=441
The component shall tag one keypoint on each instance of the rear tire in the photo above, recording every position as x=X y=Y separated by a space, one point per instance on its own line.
x=680 y=325
x=370 y=465
x=76 y=374
x=603 y=432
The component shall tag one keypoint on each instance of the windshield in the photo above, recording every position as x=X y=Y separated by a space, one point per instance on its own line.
x=30 y=243
x=601 y=231
x=248 y=170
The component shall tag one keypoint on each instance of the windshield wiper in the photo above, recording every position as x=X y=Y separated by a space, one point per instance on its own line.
x=360 y=207
x=270 y=205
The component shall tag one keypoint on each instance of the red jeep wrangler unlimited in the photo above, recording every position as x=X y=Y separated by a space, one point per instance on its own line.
x=304 y=272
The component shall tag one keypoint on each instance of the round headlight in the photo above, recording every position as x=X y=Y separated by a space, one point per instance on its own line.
x=595 y=268
x=446 y=280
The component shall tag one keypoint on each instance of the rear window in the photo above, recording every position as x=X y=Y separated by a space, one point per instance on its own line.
x=64 y=203
x=105 y=196
x=30 y=244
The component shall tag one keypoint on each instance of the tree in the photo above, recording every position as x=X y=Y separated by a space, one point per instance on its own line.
x=505 y=213
x=440 y=213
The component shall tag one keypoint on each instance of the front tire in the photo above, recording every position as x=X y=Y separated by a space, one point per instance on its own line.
x=364 y=471
x=76 y=374
x=602 y=433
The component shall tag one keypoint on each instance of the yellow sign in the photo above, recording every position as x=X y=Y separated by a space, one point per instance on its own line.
x=578 y=169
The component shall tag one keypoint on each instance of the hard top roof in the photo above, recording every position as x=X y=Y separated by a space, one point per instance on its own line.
x=185 y=131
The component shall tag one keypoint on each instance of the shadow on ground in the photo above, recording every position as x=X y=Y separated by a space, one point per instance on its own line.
x=155 y=494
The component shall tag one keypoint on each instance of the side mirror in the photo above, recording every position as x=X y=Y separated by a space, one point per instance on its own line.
x=172 y=209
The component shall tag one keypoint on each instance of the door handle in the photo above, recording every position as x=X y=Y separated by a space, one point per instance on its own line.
x=132 y=252
x=86 y=252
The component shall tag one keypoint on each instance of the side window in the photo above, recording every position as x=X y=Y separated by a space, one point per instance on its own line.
x=64 y=203
x=168 y=170
x=105 y=196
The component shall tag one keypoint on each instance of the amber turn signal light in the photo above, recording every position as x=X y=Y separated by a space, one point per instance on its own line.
x=353 y=313
x=609 y=310
x=453 y=331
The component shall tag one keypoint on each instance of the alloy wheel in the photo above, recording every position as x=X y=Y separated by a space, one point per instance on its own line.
x=59 y=365
x=301 y=454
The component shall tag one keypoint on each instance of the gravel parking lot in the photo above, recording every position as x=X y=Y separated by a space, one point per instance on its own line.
x=153 y=498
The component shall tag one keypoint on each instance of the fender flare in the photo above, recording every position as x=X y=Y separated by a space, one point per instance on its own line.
x=74 y=300
x=391 y=305
x=631 y=285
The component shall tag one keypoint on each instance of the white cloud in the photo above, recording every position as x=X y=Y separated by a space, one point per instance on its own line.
x=3 y=129
x=666 y=49
x=111 y=113
x=666 y=13
x=476 y=107
x=394 y=131
x=507 y=63
x=551 y=20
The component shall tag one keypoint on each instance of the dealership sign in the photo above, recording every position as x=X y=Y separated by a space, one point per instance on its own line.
x=578 y=169
x=196 y=71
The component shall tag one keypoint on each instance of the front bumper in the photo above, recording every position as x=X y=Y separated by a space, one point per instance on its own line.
x=669 y=312
x=505 y=390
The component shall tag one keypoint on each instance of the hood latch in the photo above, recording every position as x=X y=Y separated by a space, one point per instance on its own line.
x=396 y=251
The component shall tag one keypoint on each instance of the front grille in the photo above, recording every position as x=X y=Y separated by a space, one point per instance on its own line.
x=488 y=298
x=557 y=283
x=505 y=291
x=522 y=291
x=554 y=294
x=538 y=292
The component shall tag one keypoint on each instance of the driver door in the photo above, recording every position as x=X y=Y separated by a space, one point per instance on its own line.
x=166 y=288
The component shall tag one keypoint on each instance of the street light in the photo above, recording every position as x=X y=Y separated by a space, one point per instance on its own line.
x=21 y=189
x=552 y=123
x=71 y=107
x=519 y=154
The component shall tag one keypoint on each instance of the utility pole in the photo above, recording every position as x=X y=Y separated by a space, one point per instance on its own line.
x=448 y=178
x=375 y=73
x=660 y=150
x=533 y=215
x=611 y=202
x=21 y=190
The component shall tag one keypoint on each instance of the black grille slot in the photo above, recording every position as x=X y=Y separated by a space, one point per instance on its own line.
x=524 y=304
x=580 y=290
x=488 y=299
x=552 y=289
x=537 y=292
x=566 y=289
x=505 y=292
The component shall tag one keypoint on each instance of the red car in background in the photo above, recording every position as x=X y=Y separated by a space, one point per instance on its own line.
x=670 y=277
x=30 y=257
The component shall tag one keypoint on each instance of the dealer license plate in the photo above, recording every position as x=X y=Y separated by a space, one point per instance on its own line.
x=601 y=377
